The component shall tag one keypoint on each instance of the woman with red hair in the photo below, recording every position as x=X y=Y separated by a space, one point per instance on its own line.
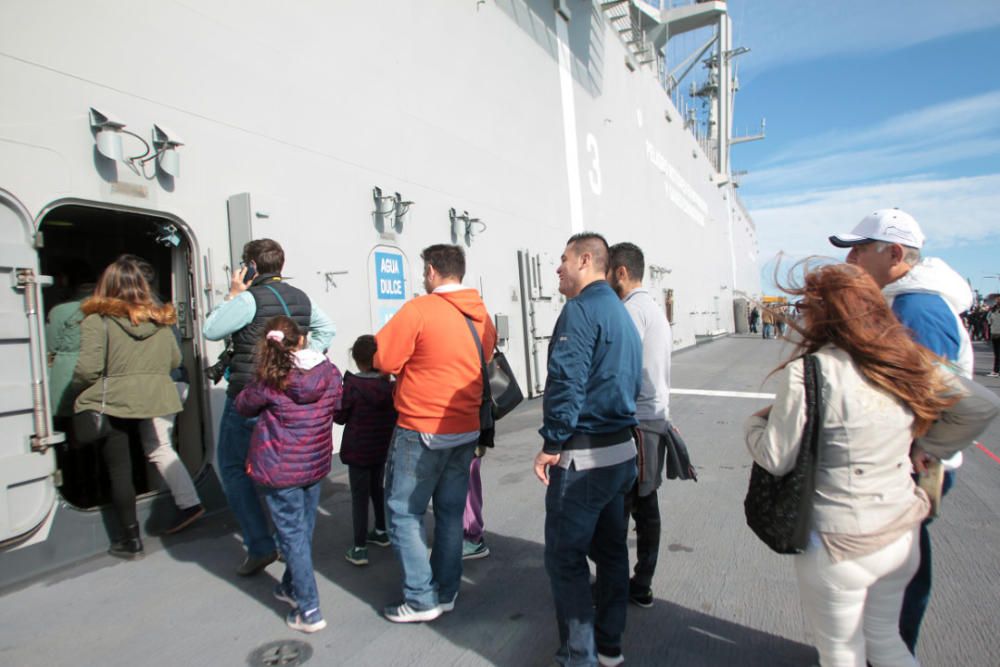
x=882 y=395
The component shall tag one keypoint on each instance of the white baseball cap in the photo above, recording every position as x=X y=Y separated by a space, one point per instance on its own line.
x=887 y=224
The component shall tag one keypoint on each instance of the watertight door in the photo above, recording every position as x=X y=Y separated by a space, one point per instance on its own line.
x=27 y=463
x=541 y=304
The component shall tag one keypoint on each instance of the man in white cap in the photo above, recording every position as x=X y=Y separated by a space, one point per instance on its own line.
x=927 y=297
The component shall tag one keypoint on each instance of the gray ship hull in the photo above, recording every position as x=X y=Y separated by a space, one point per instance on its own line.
x=355 y=134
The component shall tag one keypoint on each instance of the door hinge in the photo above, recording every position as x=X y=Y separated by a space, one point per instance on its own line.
x=41 y=443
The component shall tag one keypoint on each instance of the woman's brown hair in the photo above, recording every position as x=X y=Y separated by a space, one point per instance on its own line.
x=276 y=351
x=122 y=290
x=841 y=305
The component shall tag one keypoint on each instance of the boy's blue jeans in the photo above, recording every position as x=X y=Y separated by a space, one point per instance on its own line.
x=415 y=474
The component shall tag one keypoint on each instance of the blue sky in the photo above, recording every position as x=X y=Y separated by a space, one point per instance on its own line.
x=871 y=105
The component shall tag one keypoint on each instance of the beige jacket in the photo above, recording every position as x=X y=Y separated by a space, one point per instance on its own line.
x=863 y=478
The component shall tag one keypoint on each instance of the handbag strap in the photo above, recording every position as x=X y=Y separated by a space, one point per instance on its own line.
x=487 y=397
x=482 y=359
x=814 y=397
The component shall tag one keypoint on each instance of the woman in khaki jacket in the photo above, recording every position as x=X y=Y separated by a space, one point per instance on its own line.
x=880 y=392
x=125 y=326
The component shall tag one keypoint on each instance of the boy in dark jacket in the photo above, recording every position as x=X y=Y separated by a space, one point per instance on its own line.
x=370 y=417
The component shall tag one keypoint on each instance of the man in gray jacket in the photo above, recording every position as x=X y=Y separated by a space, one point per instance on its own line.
x=625 y=273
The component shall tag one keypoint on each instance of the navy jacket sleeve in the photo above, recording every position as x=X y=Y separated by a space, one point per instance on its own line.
x=570 y=355
x=930 y=321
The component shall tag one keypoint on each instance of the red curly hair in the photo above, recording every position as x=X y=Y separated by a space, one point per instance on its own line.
x=841 y=305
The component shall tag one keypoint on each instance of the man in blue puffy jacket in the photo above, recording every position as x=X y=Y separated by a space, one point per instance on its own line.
x=588 y=457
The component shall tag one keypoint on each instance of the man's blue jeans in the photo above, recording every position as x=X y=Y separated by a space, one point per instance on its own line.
x=413 y=475
x=293 y=511
x=234 y=442
x=585 y=515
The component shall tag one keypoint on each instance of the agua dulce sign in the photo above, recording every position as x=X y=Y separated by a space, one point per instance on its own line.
x=387 y=271
x=390 y=275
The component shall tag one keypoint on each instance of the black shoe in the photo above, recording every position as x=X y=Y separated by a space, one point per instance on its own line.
x=187 y=517
x=252 y=565
x=640 y=596
x=130 y=547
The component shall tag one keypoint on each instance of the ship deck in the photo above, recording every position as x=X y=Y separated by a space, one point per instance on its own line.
x=721 y=597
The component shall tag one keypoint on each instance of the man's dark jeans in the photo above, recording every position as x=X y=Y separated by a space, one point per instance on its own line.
x=645 y=510
x=241 y=493
x=585 y=515
x=918 y=591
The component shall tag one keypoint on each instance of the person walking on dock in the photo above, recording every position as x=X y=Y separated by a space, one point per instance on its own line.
x=625 y=274
x=430 y=346
x=369 y=419
x=880 y=392
x=256 y=294
x=588 y=456
x=127 y=351
x=293 y=396
x=927 y=296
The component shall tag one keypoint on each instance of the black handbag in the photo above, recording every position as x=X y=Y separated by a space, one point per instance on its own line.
x=505 y=394
x=779 y=509
x=92 y=425
x=501 y=393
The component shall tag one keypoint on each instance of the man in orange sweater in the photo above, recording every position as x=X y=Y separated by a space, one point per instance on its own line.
x=429 y=346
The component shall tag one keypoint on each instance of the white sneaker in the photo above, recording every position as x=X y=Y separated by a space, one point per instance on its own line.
x=992 y=375
x=308 y=623
x=404 y=613
x=610 y=660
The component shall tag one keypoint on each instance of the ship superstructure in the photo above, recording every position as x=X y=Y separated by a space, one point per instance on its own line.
x=354 y=133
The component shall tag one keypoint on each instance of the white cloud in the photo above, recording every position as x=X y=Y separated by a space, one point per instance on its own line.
x=922 y=140
x=945 y=123
x=950 y=211
x=786 y=31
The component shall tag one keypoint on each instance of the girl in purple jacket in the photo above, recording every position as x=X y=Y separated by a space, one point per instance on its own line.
x=295 y=394
x=370 y=417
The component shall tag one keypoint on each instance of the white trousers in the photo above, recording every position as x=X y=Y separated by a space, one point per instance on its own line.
x=157 y=443
x=852 y=606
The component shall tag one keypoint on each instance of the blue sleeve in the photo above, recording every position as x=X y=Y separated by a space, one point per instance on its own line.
x=570 y=357
x=930 y=321
x=230 y=316
x=321 y=330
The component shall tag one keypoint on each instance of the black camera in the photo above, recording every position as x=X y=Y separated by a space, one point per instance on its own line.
x=217 y=371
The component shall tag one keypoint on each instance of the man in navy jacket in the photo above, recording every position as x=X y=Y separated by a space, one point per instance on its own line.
x=588 y=457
